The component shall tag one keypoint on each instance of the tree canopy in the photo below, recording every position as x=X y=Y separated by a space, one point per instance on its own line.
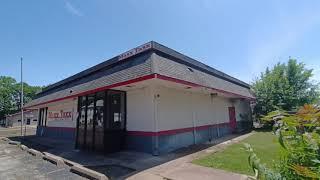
x=10 y=93
x=286 y=86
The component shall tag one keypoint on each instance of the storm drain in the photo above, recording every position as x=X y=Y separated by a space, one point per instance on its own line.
x=112 y=171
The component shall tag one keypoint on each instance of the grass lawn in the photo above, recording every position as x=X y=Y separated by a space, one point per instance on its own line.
x=234 y=158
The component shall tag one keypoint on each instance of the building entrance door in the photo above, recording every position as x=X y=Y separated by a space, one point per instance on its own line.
x=101 y=121
x=232 y=118
x=115 y=127
x=81 y=122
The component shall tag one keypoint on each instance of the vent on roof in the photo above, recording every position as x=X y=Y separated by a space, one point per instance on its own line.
x=190 y=69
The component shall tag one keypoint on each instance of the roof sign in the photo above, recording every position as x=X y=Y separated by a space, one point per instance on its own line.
x=134 y=51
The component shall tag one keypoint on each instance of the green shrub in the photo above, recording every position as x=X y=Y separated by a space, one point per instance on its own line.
x=299 y=135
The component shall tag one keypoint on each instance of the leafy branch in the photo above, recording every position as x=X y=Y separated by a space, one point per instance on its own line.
x=299 y=136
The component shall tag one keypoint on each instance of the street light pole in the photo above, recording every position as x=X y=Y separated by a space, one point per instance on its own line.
x=21 y=98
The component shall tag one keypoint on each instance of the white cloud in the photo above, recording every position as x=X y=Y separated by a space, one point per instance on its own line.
x=73 y=10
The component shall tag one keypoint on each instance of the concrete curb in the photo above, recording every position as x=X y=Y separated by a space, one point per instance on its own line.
x=88 y=172
x=5 y=139
x=35 y=153
x=23 y=147
x=54 y=159
x=70 y=163
x=14 y=142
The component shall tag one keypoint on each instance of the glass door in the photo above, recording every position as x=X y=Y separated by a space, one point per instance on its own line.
x=115 y=127
x=89 y=121
x=99 y=121
x=81 y=122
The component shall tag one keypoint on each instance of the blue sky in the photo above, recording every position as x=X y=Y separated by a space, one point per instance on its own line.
x=62 y=37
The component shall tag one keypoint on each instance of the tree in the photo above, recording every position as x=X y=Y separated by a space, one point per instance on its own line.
x=285 y=86
x=10 y=95
x=7 y=91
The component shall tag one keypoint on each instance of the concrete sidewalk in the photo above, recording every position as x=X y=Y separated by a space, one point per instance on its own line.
x=183 y=169
x=136 y=165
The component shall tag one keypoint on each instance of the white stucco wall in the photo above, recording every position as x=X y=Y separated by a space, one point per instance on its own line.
x=13 y=120
x=220 y=109
x=172 y=109
x=176 y=109
x=140 y=114
x=69 y=105
x=181 y=109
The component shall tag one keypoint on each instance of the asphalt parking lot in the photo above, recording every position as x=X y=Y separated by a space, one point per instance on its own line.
x=16 y=131
x=16 y=164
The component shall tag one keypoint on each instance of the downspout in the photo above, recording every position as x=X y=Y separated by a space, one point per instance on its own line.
x=155 y=97
x=155 y=117
x=194 y=121
x=211 y=127
x=212 y=96
x=218 y=129
x=194 y=129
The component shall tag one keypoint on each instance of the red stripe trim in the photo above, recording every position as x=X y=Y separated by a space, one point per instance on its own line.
x=175 y=131
x=197 y=85
x=143 y=78
x=149 y=133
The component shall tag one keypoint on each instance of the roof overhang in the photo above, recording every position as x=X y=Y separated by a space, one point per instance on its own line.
x=135 y=83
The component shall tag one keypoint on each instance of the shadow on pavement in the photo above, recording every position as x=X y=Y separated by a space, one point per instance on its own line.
x=116 y=165
x=28 y=141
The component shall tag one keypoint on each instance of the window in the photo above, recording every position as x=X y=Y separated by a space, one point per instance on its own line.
x=35 y=120
x=43 y=112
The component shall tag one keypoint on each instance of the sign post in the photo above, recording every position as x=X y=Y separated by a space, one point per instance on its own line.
x=21 y=98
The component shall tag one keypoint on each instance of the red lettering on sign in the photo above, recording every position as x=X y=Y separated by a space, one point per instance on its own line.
x=61 y=115
x=135 y=51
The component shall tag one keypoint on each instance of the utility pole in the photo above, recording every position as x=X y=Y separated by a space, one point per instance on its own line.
x=21 y=98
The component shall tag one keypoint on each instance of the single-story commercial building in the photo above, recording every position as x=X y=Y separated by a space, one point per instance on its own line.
x=150 y=99
x=30 y=118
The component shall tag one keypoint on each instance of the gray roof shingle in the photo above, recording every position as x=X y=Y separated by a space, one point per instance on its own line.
x=154 y=59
